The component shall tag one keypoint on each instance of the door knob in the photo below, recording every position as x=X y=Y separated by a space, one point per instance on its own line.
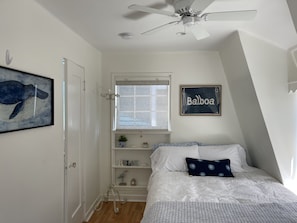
x=72 y=165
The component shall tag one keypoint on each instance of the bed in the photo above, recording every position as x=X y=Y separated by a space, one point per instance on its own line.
x=213 y=184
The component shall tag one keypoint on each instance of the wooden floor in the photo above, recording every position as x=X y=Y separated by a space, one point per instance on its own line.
x=130 y=212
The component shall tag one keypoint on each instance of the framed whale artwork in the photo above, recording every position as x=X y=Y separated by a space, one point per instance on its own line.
x=26 y=100
x=200 y=100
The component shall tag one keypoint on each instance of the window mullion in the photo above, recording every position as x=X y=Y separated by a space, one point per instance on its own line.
x=142 y=107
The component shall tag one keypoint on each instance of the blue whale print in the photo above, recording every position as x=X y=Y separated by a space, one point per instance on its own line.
x=14 y=92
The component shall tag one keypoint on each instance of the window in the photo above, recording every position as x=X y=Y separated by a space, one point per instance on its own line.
x=142 y=104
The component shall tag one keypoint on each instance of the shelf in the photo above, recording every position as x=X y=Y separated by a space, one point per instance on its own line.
x=134 y=153
x=133 y=148
x=131 y=167
x=130 y=187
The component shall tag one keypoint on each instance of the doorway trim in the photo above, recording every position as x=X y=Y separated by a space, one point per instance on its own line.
x=65 y=99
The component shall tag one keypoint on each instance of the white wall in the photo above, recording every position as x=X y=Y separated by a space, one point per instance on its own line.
x=187 y=68
x=247 y=105
x=268 y=68
x=31 y=161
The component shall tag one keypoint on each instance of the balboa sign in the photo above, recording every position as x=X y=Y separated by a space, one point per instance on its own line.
x=200 y=99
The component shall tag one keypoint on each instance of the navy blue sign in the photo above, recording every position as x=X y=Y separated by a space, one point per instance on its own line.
x=200 y=100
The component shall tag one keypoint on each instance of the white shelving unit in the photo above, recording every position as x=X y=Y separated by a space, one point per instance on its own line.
x=134 y=161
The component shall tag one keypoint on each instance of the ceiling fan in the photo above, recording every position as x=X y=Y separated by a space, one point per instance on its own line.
x=190 y=13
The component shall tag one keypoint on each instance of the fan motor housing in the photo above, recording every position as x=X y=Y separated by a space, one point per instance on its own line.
x=190 y=20
x=182 y=6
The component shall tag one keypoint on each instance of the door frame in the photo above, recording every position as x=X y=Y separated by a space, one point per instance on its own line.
x=82 y=136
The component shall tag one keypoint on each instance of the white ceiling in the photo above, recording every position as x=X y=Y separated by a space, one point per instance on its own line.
x=100 y=21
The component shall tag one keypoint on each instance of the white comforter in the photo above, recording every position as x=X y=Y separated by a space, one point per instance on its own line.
x=253 y=186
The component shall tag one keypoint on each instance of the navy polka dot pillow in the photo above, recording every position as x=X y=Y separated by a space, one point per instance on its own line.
x=199 y=167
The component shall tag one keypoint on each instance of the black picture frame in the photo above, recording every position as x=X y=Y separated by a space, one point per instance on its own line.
x=200 y=100
x=26 y=100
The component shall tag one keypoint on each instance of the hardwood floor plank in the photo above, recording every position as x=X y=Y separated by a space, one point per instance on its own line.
x=130 y=212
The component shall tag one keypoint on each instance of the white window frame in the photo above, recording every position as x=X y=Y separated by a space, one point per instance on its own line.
x=146 y=78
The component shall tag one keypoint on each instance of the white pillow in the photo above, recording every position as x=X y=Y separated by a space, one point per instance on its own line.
x=173 y=158
x=234 y=152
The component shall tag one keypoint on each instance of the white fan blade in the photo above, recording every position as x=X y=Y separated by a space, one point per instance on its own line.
x=158 y=28
x=152 y=10
x=231 y=16
x=135 y=15
x=201 y=5
x=198 y=32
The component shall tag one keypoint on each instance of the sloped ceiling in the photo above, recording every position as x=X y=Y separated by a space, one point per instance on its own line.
x=293 y=10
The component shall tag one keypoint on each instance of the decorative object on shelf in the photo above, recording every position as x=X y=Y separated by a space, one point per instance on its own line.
x=26 y=100
x=122 y=141
x=134 y=163
x=126 y=162
x=129 y=162
x=122 y=178
x=145 y=145
x=200 y=99
x=133 y=182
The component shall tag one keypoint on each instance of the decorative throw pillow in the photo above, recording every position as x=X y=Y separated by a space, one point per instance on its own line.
x=199 y=167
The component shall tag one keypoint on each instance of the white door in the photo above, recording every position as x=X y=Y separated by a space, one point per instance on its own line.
x=73 y=123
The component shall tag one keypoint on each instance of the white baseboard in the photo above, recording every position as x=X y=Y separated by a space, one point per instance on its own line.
x=91 y=210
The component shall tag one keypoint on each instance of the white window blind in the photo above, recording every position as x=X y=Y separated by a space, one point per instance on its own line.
x=142 y=104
